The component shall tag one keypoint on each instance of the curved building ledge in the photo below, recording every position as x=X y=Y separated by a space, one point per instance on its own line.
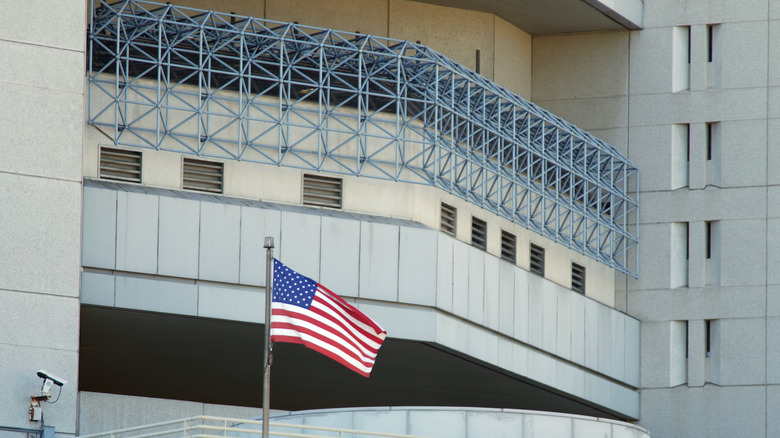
x=464 y=422
x=459 y=307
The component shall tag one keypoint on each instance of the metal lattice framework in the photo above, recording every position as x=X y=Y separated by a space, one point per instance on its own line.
x=232 y=87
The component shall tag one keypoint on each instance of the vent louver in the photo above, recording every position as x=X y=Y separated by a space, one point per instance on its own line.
x=537 y=260
x=478 y=233
x=578 y=278
x=448 y=219
x=202 y=176
x=322 y=191
x=120 y=165
x=508 y=246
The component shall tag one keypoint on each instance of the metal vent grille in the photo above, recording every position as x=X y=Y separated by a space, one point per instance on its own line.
x=203 y=176
x=537 y=259
x=508 y=246
x=577 y=278
x=120 y=165
x=322 y=191
x=448 y=219
x=478 y=233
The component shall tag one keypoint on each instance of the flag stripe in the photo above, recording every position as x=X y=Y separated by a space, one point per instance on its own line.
x=287 y=329
x=289 y=315
x=296 y=338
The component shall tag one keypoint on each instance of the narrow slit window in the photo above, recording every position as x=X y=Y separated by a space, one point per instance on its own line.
x=478 y=233
x=448 y=223
x=478 y=61
x=708 y=238
x=577 y=278
x=707 y=336
x=688 y=142
x=710 y=31
x=687 y=241
x=709 y=141
x=688 y=48
x=322 y=191
x=508 y=246
x=537 y=260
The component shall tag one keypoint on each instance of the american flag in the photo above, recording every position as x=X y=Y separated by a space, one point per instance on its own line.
x=305 y=312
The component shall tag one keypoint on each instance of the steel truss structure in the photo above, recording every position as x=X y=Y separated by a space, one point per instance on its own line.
x=220 y=85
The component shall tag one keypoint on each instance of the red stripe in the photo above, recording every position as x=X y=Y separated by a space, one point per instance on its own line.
x=365 y=361
x=316 y=308
x=317 y=348
x=321 y=326
x=355 y=313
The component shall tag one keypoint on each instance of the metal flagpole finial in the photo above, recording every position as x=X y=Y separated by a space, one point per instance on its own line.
x=269 y=242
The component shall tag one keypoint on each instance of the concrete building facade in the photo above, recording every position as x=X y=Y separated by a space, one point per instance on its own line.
x=145 y=292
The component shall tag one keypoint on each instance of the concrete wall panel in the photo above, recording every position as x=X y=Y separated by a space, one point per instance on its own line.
x=97 y=288
x=437 y=425
x=476 y=302
x=492 y=292
x=50 y=326
x=460 y=279
x=551 y=427
x=157 y=295
x=99 y=229
x=742 y=351
x=506 y=298
x=535 y=310
x=578 y=303
x=137 y=220
x=34 y=81
x=236 y=303
x=65 y=23
x=743 y=263
x=444 y=273
x=179 y=237
x=340 y=259
x=300 y=243
x=416 y=279
x=379 y=261
x=522 y=315
x=220 y=236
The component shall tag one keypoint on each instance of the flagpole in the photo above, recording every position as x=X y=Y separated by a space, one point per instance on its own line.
x=269 y=262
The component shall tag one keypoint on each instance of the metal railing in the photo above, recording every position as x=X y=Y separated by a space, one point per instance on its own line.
x=220 y=85
x=19 y=432
x=214 y=427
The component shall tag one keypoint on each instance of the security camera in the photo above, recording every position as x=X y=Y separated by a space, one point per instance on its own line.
x=48 y=380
